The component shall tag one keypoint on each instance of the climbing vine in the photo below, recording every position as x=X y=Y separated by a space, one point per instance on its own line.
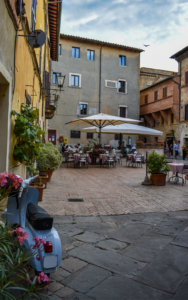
x=29 y=136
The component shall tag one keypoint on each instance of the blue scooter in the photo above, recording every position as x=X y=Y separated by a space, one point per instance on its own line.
x=23 y=210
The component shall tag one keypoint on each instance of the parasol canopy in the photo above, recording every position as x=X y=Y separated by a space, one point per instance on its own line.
x=131 y=129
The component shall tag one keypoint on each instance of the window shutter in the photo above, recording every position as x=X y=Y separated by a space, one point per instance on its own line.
x=122 y=112
x=186 y=77
x=111 y=84
x=186 y=112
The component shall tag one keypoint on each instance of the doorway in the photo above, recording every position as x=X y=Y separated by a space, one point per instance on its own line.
x=52 y=136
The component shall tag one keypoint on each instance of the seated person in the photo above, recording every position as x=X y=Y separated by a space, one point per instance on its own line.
x=133 y=149
x=63 y=148
x=79 y=147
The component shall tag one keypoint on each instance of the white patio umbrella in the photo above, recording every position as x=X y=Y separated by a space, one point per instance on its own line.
x=131 y=129
x=102 y=120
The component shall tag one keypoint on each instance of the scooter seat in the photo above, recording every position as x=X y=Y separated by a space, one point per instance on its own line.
x=38 y=217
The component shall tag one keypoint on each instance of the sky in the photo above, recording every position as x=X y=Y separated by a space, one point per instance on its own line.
x=162 y=24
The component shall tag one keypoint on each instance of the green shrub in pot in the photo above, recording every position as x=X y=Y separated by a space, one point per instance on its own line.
x=157 y=164
x=50 y=158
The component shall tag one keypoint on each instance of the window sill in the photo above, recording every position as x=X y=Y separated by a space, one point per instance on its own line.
x=75 y=57
x=82 y=116
x=74 y=87
x=122 y=66
x=122 y=93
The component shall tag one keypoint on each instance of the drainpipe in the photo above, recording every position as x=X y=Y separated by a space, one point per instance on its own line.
x=180 y=93
x=99 y=135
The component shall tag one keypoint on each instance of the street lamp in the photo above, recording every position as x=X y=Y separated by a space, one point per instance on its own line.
x=60 y=81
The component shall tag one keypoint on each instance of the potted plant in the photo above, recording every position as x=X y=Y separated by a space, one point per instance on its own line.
x=139 y=143
x=40 y=187
x=49 y=159
x=159 y=143
x=158 y=168
x=44 y=177
x=148 y=143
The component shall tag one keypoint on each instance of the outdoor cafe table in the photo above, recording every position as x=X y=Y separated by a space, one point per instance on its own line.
x=77 y=158
x=104 y=157
x=132 y=157
x=176 y=168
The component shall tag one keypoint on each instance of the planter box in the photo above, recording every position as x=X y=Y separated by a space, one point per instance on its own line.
x=40 y=189
x=158 y=179
x=49 y=113
x=49 y=172
x=44 y=180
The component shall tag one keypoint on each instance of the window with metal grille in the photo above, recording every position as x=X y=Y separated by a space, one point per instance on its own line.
x=75 y=134
x=75 y=52
x=74 y=80
x=165 y=92
x=172 y=118
x=117 y=137
x=146 y=99
x=186 y=111
x=155 y=95
x=122 y=60
x=83 y=109
x=33 y=14
x=123 y=112
x=90 y=55
x=59 y=50
x=54 y=79
x=89 y=135
x=122 y=86
x=186 y=77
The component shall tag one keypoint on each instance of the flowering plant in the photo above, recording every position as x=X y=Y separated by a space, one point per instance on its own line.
x=52 y=107
x=15 y=278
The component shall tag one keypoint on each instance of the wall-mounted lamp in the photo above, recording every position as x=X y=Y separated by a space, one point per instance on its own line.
x=60 y=81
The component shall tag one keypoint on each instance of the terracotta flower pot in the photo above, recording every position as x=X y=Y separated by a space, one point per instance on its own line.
x=39 y=188
x=44 y=180
x=49 y=172
x=158 y=179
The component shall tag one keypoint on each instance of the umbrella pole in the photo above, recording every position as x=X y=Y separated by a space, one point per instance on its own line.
x=100 y=133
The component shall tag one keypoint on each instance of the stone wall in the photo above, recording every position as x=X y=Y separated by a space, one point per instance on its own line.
x=150 y=149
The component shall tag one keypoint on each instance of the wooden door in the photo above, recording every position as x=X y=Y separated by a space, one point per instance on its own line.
x=52 y=136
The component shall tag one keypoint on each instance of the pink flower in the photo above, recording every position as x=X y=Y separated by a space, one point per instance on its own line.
x=19 y=230
x=28 y=280
x=25 y=235
x=41 y=241
x=3 y=179
x=42 y=278
x=21 y=240
x=38 y=258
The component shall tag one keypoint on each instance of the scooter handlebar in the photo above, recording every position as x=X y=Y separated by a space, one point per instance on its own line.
x=25 y=183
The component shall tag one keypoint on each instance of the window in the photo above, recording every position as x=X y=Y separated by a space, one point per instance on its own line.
x=172 y=118
x=90 y=55
x=33 y=15
x=89 y=135
x=122 y=60
x=55 y=75
x=74 y=80
x=155 y=95
x=165 y=92
x=186 y=111
x=83 y=109
x=111 y=84
x=75 y=134
x=75 y=52
x=122 y=112
x=59 y=50
x=122 y=86
x=117 y=137
x=146 y=99
x=186 y=77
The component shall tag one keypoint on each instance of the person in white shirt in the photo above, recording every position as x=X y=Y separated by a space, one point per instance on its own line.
x=133 y=149
x=176 y=148
x=79 y=147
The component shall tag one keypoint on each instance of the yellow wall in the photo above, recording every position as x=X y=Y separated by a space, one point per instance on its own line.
x=27 y=75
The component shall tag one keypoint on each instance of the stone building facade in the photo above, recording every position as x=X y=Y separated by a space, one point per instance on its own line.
x=100 y=77
x=182 y=58
x=159 y=107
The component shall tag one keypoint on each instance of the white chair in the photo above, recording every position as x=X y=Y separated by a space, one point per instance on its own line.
x=119 y=158
x=83 y=160
x=138 y=159
x=111 y=161
x=70 y=159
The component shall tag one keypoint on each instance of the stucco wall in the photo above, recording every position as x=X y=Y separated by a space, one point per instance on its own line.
x=69 y=103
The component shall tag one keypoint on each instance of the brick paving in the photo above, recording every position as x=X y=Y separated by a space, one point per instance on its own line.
x=109 y=191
